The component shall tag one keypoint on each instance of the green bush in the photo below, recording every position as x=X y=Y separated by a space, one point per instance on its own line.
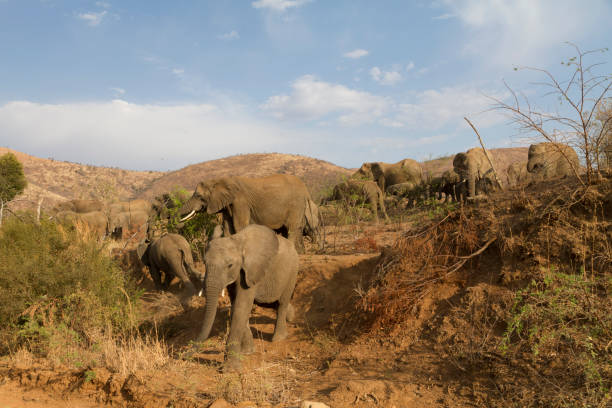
x=564 y=320
x=53 y=278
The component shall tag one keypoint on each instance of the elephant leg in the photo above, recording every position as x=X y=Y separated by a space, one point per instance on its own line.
x=241 y=309
x=167 y=280
x=290 y=313
x=374 y=207
x=246 y=344
x=156 y=276
x=297 y=238
x=284 y=304
x=241 y=215
x=472 y=186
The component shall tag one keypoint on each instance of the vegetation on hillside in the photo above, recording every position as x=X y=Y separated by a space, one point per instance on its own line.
x=12 y=180
x=59 y=289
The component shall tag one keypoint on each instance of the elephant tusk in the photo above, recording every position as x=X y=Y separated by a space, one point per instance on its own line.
x=200 y=292
x=188 y=216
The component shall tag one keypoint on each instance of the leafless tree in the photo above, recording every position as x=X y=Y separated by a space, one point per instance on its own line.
x=582 y=96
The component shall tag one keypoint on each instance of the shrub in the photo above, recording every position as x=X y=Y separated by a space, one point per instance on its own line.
x=55 y=279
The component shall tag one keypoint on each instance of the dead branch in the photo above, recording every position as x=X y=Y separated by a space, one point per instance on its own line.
x=485 y=152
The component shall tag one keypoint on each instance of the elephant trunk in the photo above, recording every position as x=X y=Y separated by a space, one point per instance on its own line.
x=189 y=209
x=212 y=299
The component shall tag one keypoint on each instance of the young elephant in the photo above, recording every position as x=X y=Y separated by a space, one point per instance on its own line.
x=170 y=253
x=258 y=266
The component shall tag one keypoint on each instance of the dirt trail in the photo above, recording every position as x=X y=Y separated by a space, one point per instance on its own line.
x=321 y=359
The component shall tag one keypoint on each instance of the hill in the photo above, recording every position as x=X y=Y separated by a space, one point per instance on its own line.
x=316 y=174
x=56 y=180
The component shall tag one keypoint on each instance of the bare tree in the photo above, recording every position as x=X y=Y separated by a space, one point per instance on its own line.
x=581 y=96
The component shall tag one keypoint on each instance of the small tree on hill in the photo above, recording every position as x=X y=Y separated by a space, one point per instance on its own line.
x=578 y=122
x=12 y=180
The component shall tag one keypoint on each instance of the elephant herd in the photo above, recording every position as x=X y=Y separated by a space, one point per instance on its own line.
x=254 y=251
x=472 y=175
x=115 y=219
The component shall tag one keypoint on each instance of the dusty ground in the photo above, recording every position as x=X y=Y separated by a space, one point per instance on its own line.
x=321 y=360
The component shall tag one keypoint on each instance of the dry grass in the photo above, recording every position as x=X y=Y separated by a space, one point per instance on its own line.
x=516 y=291
x=131 y=354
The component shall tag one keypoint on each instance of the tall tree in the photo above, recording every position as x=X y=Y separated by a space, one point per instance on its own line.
x=12 y=180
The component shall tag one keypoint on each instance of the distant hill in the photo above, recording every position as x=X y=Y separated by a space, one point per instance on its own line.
x=55 y=181
x=316 y=174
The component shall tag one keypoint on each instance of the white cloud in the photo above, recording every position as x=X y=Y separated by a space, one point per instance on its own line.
x=444 y=16
x=358 y=53
x=103 y=4
x=434 y=109
x=410 y=66
x=314 y=99
x=385 y=77
x=133 y=136
x=278 y=5
x=178 y=71
x=523 y=32
x=92 y=18
x=232 y=35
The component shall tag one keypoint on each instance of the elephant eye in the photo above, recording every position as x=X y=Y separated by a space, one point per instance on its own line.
x=230 y=265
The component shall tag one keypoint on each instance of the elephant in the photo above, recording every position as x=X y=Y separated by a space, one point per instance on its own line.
x=364 y=172
x=407 y=170
x=365 y=191
x=279 y=202
x=517 y=174
x=471 y=166
x=127 y=206
x=80 y=206
x=123 y=222
x=487 y=183
x=410 y=190
x=447 y=185
x=96 y=220
x=549 y=160
x=171 y=254
x=257 y=266
x=85 y=206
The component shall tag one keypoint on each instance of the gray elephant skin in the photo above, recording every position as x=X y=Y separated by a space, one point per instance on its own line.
x=365 y=191
x=388 y=174
x=257 y=266
x=130 y=206
x=80 y=206
x=517 y=174
x=448 y=185
x=172 y=255
x=95 y=220
x=279 y=202
x=487 y=183
x=121 y=223
x=471 y=166
x=550 y=160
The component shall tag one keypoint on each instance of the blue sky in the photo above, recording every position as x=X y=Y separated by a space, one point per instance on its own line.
x=159 y=85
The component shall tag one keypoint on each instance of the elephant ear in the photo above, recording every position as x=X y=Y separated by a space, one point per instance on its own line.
x=259 y=246
x=221 y=196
